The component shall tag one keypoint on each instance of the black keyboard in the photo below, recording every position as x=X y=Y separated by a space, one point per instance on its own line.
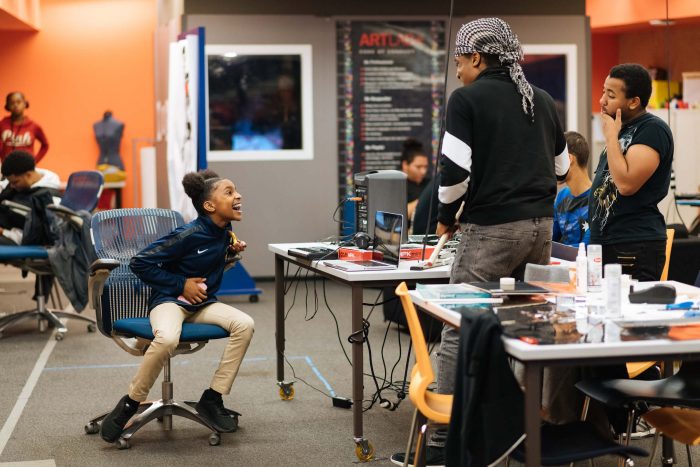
x=313 y=253
x=687 y=196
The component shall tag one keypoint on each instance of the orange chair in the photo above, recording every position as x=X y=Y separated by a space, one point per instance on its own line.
x=434 y=407
x=682 y=425
x=635 y=369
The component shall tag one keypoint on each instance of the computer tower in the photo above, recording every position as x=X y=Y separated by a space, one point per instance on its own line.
x=379 y=190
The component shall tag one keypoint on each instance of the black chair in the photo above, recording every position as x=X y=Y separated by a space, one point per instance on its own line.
x=635 y=396
x=120 y=300
x=82 y=193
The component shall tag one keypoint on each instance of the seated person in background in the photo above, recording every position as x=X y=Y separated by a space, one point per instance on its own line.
x=414 y=163
x=185 y=269
x=571 y=204
x=22 y=182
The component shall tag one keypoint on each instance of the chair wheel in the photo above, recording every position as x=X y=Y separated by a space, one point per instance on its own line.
x=364 y=450
x=60 y=336
x=123 y=443
x=214 y=439
x=91 y=327
x=253 y=299
x=92 y=428
x=286 y=392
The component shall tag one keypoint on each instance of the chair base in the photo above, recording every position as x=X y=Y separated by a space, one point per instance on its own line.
x=158 y=410
x=44 y=317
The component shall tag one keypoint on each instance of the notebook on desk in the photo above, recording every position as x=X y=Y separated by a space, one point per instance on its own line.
x=387 y=241
x=519 y=288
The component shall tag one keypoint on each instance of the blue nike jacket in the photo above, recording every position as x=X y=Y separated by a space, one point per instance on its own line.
x=196 y=249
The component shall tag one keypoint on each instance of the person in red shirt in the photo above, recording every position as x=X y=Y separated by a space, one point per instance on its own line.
x=19 y=132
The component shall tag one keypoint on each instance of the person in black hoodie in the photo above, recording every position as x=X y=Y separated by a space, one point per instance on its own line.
x=502 y=152
x=185 y=269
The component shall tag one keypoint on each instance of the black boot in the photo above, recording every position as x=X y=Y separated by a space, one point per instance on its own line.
x=113 y=424
x=211 y=407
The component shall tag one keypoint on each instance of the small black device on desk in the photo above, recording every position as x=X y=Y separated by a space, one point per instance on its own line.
x=687 y=196
x=313 y=253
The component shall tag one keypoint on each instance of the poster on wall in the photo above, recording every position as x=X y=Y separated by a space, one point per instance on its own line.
x=552 y=67
x=390 y=88
x=182 y=120
x=260 y=102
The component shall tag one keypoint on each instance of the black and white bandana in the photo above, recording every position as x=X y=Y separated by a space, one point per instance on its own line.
x=493 y=36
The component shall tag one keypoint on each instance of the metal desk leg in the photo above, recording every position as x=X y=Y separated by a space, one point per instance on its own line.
x=286 y=389
x=363 y=449
x=668 y=456
x=533 y=391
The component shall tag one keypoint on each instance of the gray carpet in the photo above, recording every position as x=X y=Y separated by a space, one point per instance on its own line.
x=87 y=373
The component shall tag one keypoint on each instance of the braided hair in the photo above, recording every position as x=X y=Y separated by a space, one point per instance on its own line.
x=493 y=36
x=198 y=186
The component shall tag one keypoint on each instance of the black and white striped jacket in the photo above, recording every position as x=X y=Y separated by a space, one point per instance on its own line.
x=495 y=158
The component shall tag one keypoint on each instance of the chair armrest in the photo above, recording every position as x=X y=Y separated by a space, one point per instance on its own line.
x=104 y=264
x=99 y=272
x=20 y=209
x=66 y=214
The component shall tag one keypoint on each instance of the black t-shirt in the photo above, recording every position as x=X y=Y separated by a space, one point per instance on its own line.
x=615 y=218
x=413 y=189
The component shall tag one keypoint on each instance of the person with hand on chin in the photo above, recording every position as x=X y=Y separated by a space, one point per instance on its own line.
x=185 y=270
x=633 y=176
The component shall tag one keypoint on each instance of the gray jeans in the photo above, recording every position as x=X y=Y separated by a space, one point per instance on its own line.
x=487 y=253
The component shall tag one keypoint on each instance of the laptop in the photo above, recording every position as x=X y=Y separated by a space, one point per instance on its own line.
x=565 y=252
x=387 y=241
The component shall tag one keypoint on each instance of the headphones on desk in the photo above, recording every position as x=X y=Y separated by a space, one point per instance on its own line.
x=362 y=240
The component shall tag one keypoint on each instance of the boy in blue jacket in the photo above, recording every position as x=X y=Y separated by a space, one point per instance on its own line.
x=185 y=269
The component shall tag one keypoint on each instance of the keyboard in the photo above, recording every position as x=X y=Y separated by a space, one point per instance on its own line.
x=687 y=196
x=313 y=253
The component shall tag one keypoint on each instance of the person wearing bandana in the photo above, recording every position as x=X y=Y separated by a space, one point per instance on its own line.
x=502 y=152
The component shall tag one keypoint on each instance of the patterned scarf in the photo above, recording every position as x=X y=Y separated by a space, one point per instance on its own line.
x=493 y=36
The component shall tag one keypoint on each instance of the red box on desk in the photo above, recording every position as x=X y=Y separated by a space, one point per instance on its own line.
x=416 y=253
x=354 y=254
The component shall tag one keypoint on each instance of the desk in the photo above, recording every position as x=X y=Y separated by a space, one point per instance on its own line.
x=356 y=281
x=535 y=357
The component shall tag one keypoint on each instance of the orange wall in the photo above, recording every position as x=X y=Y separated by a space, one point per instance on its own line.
x=612 y=13
x=605 y=53
x=649 y=48
x=88 y=57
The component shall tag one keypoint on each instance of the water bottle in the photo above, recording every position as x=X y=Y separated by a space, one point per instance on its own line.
x=581 y=269
x=595 y=268
x=613 y=295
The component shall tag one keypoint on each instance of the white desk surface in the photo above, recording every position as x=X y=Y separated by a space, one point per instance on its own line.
x=402 y=273
x=525 y=352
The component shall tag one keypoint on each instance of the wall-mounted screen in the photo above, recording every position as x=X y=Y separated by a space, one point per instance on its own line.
x=259 y=102
x=552 y=67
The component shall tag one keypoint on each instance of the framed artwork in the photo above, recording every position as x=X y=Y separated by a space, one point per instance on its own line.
x=552 y=67
x=259 y=102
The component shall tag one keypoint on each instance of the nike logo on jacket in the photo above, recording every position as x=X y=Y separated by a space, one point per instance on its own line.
x=196 y=249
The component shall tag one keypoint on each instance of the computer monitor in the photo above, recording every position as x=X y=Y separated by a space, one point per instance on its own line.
x=388 y=230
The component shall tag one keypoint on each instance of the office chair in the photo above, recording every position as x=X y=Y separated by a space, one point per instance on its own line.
x=120 y=300
x=82 y=192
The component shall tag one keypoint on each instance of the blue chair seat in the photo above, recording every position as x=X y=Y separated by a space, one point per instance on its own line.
x=191 y=332
x=11 y=252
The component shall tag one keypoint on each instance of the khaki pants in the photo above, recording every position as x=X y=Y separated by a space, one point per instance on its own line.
x=166 y=321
